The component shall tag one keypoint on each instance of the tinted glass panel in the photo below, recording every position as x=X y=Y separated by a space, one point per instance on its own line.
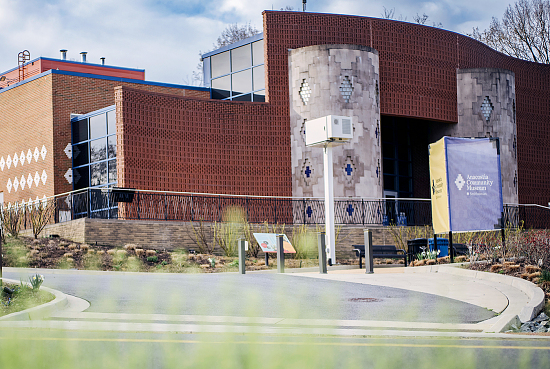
x=389 y=166
x=221 y=87
x=98 y=174
x=389 y=183
x=219 y=64
x=98 y=126
x=241 y=58
x=242 y=82
x=98 y=150
x=111 y=122
x=81 y=178
x=404 y=168
x=80 y=130
x=112 y=170
x=258 y=52
x=80 y=154
x=259 y=77
x=111 y=141
x=246 y=97
x=404 y=184
x=259 y=98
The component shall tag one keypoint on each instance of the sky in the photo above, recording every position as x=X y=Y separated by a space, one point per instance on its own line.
x=165 y=37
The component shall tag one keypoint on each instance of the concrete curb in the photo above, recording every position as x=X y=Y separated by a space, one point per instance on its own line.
x=39 y=312
x=528 y=312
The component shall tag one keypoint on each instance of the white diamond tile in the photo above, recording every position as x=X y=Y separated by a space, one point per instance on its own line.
x=36 y=178
x=29 y=180
x=2 y=163
x=22 y=182
x=22 y=158
x=8 y=162
x=69 y=175
x=29 y=156
x=43 y=152
x=16 y=184
x=36 y=154
x=9 y=185
x=69 y=150
x=15 y=160
x=44 y=177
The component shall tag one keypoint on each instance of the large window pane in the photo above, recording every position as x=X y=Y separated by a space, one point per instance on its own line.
x=242 y=82
x=241 y=58
x=221 y=87
x=81 y=178
x=80 y=130
x=259 y=96
x=98 y=126
x=112 y=171
x=98 y=174
x=259 y=77
x=80 y=154
x=258 y=52
x=111 y=122
x=111 y=142
x=219 y=64
x=98 y=150
x=246 y=97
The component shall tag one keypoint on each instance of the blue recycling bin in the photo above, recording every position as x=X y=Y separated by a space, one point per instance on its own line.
x=442 y=246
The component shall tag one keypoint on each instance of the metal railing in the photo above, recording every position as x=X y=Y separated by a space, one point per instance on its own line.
x=129 y=204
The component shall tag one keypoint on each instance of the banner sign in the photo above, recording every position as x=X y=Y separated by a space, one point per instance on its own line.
x=466 y=187
x=268 y=242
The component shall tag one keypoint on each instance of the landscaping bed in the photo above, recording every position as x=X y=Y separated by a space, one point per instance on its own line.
x=21 y=298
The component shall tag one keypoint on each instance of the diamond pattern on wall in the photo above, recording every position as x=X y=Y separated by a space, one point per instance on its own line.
x=16 y=184
x=15 y=160
x=9 y=185
x=43 y=152
x=36 y=178
x=487 y=108
x=346 y=89
x=44 y=177
x=29 y=180
x=69 y=175
x=307 y=171
x=22 y=158
x=8 y=162
x=305 y=92
x=36 y=154
x=29 y=156
x=2 y=163
x=22 y=182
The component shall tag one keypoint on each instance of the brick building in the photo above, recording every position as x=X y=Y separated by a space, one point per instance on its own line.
x=69 y=125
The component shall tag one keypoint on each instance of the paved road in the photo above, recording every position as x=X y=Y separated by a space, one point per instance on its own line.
x=254 y=295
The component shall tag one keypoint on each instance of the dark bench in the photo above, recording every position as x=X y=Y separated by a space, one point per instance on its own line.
x=380 y=251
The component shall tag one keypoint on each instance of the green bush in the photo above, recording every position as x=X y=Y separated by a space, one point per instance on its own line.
x=152 y=259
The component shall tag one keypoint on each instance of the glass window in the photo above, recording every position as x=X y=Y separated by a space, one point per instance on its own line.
x=80 y=154
x=259 y=96
x=112 y=171
x=258 y=52
x=81 y=178
x=242 y=82
x=98 y=174
x=259 y=77
x=111 y=122
x=98 y=150
x=221 y=87
x=246 y=97
x=80 y=130
x=241 y=58
x=98 y=126
x=219 y=64
x=111 y=143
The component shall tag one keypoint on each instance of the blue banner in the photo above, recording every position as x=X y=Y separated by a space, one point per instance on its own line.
x=474 y=184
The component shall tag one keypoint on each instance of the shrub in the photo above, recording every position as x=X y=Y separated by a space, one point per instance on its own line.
x=152 y=259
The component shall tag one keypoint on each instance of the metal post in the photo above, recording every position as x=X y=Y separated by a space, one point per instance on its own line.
x=280 y=254
x=451 y=251
x=369 y=258
x=435 y=245
x=242 y=255
x=266 y=259
x=88 y=202
x=329 y=204
x=322 y=253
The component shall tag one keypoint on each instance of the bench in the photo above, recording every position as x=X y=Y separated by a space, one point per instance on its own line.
x=380 y=251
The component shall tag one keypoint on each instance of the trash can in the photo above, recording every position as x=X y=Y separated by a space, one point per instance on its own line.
x=415 y=247
x=442 y=246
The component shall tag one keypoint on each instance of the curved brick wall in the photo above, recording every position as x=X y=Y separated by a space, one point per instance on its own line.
x=418 y=77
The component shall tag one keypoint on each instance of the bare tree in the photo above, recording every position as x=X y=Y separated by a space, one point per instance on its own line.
x=11 y=218
x=524 y=31
x=421 y=19
x=41 y=214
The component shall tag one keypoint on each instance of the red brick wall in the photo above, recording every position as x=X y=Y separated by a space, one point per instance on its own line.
x=184 y=144
x=25 y=123
x=75 y=94
x=418 y=77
